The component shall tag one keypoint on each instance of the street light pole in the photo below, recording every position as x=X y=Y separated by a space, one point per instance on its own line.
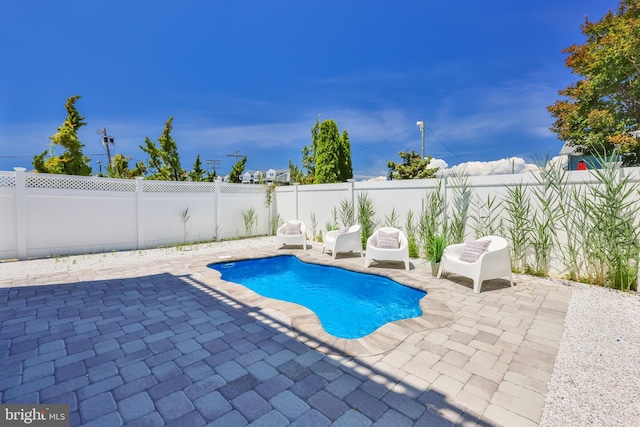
x=420 y=124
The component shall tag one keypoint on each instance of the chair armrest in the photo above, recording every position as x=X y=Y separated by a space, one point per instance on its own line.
x=454 y=250
x=333 y=233
x=495 y=256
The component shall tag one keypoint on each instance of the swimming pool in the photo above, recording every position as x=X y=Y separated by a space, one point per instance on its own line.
x=348 y=304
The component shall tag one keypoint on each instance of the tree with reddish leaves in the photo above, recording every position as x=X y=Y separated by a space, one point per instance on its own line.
x=600 y=112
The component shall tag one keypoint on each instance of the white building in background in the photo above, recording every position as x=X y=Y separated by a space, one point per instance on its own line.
x=280 y=176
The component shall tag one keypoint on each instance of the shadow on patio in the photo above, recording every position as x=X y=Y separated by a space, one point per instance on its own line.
x=168 y=350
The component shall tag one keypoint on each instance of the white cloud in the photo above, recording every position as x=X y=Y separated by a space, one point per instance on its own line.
x=437 y=163
x=512 y=165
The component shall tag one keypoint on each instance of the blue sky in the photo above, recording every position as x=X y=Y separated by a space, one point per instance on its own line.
x=252 y=76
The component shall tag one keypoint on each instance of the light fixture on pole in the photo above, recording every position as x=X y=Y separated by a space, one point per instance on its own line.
x=420 y=124
x=106 y=140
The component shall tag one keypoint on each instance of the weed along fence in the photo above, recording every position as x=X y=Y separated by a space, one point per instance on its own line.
x=43 y=214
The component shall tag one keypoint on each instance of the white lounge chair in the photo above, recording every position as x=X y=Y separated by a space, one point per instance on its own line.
x=349 y=240
x=291 y=233
x=384 y=249
x=471 y=260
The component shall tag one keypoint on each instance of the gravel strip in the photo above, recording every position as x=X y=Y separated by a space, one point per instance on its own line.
x=596 y=380
x=38 y=266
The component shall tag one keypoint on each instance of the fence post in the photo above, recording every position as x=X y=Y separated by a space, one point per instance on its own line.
x=445 y=192
x=353 y=201
x=216 y=208
x=295 y=192
x=140 y=210
x=21 y=212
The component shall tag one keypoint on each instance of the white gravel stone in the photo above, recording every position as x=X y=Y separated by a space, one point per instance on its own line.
x=15 y=269
x=596 y=378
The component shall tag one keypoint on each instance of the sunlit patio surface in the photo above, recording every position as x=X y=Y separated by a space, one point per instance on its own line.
x=170 y=343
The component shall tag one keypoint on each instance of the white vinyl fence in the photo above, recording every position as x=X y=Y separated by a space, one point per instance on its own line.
x=44 y=214
x=394 y=199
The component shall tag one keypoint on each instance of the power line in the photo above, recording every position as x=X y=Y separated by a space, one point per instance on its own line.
x=213 y=164
x=443 y=144
x=235 y=155
x=385 y=140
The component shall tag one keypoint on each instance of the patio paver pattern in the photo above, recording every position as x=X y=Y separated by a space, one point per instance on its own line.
x=170 y=343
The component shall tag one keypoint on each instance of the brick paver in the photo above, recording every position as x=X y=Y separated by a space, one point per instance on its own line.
x=168 y=343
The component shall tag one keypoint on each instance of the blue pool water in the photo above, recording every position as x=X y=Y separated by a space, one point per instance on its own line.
x=348 y=304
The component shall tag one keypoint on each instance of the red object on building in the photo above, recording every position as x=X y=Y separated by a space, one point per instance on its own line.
x=582 y=166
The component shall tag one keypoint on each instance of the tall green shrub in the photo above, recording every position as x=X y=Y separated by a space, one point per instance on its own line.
x=410 y=227
x=518 y=212
x=613 y=220
x=461 y=202
x=485 y=220
x=366 y=216
x=432 y=221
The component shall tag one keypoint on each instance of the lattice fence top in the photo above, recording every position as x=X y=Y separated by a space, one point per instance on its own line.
x=178 y=187
x=7 y=180
x=226 y=188
x=70 y=182
x=79 y=183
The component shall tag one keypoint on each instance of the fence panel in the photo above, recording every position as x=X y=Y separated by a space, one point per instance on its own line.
x=318 y=201
x=395 y=198
x=8 y=219
x=236 y=200
x=46 y=214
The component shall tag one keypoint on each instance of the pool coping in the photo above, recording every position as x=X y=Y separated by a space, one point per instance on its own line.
x=305 y=324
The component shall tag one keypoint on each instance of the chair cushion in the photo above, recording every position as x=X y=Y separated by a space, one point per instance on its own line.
x=473 y=250
x=388 y=240
x=292 y=229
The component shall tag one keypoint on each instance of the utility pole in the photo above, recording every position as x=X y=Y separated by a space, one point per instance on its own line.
x=106 y=140
x=213 y=164
x=235 y=155
x=420 y=124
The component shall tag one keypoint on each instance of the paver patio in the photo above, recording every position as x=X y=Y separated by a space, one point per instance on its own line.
x=169 y=343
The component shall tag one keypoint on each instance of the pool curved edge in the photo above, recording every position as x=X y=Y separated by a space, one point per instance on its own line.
x=304 y=323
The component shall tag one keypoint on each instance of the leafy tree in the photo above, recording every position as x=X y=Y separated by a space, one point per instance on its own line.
x=236 y=172
x=72 y=161
x=602 y=109
x=412 y=167
x=333 y=155
x=120 y=168
x=346 y=166
x=164 y=161
x=295 y=173
x=197 y=174
x=309 y=152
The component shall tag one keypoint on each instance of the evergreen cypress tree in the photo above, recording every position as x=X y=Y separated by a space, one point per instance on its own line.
x=164 y=160
x=72 y=161
x=328 y=154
